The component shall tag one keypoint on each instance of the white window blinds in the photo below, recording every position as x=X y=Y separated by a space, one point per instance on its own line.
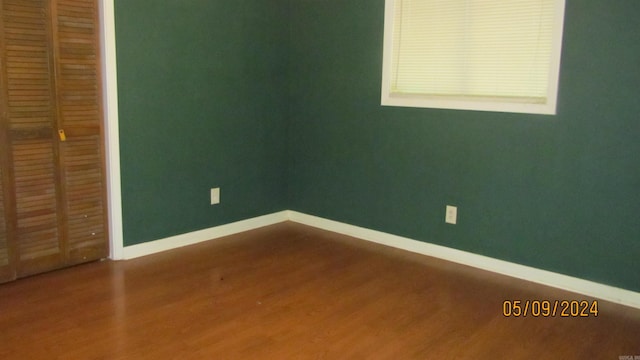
x=489 y=50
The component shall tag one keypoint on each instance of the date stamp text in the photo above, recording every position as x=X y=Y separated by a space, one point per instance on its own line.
x=550 y=308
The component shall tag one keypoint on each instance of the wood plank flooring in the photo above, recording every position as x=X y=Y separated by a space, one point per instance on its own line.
x=292 y=292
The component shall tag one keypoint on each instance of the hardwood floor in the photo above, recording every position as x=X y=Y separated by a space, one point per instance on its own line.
x=292 y=292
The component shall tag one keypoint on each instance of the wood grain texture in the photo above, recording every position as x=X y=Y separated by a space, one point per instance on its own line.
x=31 y=115
x=55 y=192
x=288 y=291
x=78 y=62
x=4 y=251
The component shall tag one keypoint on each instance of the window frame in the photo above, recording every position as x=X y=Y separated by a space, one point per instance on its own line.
x=484 y=103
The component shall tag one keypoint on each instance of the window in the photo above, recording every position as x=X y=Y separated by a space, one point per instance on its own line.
x=490 y=55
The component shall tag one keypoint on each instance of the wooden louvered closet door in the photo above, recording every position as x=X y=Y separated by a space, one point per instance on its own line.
x=53 y=185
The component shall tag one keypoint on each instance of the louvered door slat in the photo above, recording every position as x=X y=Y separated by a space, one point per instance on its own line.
x=31 y=115
x=79 y=80
x=28 y=74
x=36 y=203
x=77 y=41
x=84 y=197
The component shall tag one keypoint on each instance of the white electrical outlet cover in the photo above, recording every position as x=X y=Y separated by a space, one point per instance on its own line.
x=451 y=216
x=215 y=196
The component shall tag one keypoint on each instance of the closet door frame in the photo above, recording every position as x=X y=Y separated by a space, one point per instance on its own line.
x=111 y=128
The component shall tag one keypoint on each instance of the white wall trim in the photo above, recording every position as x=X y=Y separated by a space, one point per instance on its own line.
x=544 y=277
x=112 y=140
x=199 y=236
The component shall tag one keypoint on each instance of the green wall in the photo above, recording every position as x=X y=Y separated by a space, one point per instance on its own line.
x=202 y=91
x=277 y=102
x=561 y=193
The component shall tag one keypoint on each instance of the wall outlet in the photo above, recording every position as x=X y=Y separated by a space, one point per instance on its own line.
x=451 y=216
x=215 y=196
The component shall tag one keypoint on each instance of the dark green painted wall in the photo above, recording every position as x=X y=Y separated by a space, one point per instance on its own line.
x=561 y=193
x=202 y=91
x=278 y=102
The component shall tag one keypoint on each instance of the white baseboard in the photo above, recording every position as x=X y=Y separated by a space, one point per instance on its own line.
x=173 y=242
x=544 y=277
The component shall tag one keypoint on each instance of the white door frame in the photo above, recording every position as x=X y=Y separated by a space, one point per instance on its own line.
x=112 y=141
